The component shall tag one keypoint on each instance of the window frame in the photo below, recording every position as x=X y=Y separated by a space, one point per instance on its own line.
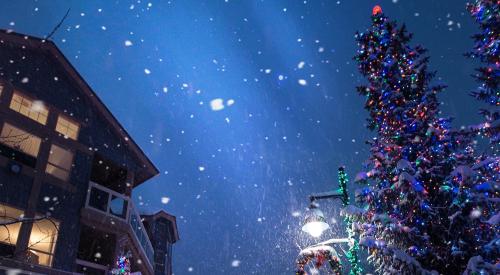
x=9 y=230
x=19 y=148
x=57 y=167
x=24 y=97
x=55 y=237
x=67 y=128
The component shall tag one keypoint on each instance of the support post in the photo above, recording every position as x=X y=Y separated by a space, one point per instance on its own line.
x=352 y=253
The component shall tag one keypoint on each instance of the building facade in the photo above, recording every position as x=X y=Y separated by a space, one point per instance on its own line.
x=67 y=170
x=162 y=231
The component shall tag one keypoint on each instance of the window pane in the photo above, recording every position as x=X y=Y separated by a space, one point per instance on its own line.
x=17 y=99
x=67 y=128
x=25 y=110
x=32 y=109
x=15 y=105
x=99 y=199
x=60 y=157
x=20 y=140
x=9 y=233
x=40 y=258
x=43 y=240
x=118 y=207
x=57 y=172
x=60 y=161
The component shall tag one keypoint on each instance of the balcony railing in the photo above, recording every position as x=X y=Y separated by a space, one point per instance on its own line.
x=140 y=232
x=114 y=204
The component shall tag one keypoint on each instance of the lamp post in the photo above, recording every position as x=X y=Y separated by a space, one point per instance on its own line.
x=315 y=223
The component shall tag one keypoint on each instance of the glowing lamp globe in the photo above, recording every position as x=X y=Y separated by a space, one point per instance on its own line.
x=376 y=10
x=315 y=223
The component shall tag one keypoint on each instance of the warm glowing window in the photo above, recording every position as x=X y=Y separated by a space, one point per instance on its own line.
x=20 y=140
x=67 y=128
x=42 y=241
x=33 y=109
x=60 y=161
x=9 y=232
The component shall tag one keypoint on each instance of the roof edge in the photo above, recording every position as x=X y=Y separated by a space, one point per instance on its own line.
x=49 y=45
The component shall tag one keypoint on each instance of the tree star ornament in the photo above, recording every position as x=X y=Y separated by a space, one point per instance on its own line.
x=376 y=10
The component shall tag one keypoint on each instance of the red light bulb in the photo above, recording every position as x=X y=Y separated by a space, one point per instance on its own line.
x=376 y=10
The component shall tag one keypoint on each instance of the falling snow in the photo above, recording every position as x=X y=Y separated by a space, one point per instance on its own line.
x=251 y=107
x=217 y=104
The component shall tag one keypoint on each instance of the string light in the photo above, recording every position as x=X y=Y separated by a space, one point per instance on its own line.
x=122 y=265
x=423 y=197
x=352 y=253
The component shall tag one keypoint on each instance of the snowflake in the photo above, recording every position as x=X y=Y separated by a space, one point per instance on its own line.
x=165 y=200
x=235 y=263
x=217 y=104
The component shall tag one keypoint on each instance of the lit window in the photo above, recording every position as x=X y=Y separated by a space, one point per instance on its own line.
x=67 y=128
x=20 y=140
x=9 y=233
x=33 y=109
x=59 y=164
x=42 y=241
x=1 y=89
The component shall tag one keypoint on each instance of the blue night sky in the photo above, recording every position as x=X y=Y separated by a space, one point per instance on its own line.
x=238 y=178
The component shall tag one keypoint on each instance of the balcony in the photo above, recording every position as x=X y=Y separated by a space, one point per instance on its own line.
x=108 y=201
x=117 y=211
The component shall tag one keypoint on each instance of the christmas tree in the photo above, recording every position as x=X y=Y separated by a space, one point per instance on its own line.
x=487 y=50
x=424 y=211
x=484 y=176
x=122 y=265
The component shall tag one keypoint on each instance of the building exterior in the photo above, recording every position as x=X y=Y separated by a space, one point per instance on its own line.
x=162 y=231
x=67 y=171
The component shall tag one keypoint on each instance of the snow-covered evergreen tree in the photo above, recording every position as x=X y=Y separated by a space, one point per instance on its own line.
x=487 y=49
x=483 y=176
x=424 y=209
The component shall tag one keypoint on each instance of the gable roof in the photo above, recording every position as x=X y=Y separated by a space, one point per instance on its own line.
x=148 y=169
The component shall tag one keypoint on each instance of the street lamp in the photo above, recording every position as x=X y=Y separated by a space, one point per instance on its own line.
x=315 y=223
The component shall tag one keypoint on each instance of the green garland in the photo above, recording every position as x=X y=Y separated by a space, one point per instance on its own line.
x=343 y=186
x=352 y=253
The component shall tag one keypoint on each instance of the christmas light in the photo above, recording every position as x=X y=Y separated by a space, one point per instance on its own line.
x=422 y=173
x=352 y=253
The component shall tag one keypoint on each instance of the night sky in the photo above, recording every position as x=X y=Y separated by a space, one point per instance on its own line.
x=246 y=107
